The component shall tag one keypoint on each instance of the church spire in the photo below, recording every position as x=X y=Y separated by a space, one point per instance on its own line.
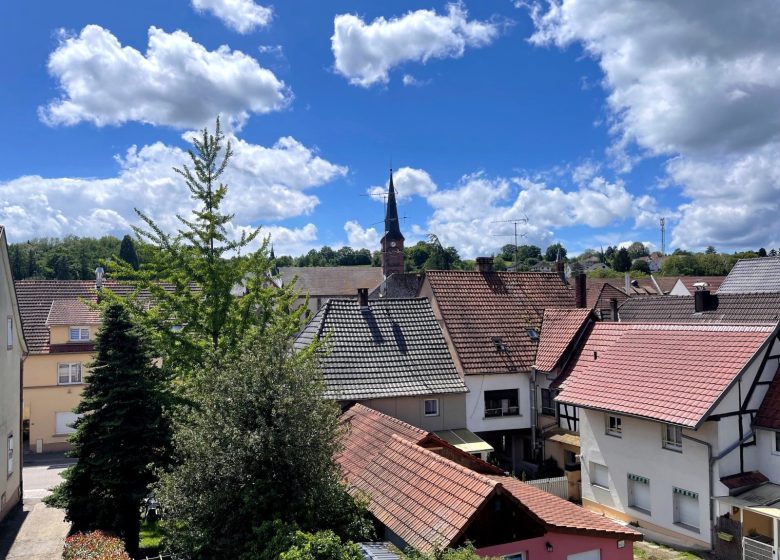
x=392 y=227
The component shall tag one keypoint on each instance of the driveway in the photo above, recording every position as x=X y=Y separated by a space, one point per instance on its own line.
x=36 y=531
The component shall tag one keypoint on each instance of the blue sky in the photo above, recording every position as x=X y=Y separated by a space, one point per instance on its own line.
x=592 y=123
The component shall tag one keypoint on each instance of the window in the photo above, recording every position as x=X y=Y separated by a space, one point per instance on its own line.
x=78 y=334
x=548 y=407
x=9 y=333
x=672 y=437
x=63 y=422
x=68 y=374
x=777 y=442
x=686 y=509
x=615 y=426
x=639 y=492
x=431 y=407
x=501 y=403
x=599 y=475
x=10 y=454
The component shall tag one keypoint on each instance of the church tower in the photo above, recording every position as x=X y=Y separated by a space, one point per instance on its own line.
x=392 y=241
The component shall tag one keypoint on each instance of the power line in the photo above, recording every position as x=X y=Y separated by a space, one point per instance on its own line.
x=523 y=220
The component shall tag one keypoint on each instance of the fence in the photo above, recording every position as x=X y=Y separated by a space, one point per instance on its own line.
x=757 y=550
x=558 y=486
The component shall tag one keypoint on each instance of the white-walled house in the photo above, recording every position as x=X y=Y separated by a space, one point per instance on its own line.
x=666 y=420
x=491 y=322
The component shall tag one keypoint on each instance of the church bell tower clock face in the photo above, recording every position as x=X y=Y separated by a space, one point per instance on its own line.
x=392 y=243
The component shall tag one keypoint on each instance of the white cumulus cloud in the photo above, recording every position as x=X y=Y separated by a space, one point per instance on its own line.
x=408 y=182
x=362 y=238
x=366 y=52
x=242 y=16
x=697 y=82
x=266 y=184
x=177 y=82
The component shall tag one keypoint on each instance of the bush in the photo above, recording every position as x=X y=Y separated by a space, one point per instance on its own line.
x=94 y=546
x=323 y=545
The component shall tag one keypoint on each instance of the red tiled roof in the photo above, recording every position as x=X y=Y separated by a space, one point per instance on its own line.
x=713 y=281
x=72 y=312
x=559 y=327
x=768 y=415
x=740 y=480
x=425 y=499
x=367 y=434
x=479 y=308
x=672 y=373
x=562 y=515
x=428 y=499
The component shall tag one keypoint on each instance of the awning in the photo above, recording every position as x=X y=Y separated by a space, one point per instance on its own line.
x=764 y=499
x=465 y=441
x=566 y=439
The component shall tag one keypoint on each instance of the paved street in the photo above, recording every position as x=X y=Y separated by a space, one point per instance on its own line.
x=35 y=531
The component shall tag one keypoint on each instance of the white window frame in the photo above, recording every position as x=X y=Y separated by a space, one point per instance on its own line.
x=673 y=442
x=69 y=429
x=72 y=378
x=634 y=479
x=9 y=333
x=80 y=333
x=678 y=494
x=594 y=467
x=10 y=449
x=614 y=429
x=436 y=407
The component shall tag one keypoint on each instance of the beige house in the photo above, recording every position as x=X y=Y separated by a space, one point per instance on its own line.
x=60 y=330
x=13 y=352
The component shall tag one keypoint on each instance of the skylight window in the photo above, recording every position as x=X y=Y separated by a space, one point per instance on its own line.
x=499 y=342
x=533 y=334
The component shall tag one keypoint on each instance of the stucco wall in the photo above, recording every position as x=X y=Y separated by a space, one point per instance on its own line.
x=639 y=451
x=43 y=397
x=768 y=459
x=562 y=546
x=475 y=402
x=452 y=411
x=10 y=387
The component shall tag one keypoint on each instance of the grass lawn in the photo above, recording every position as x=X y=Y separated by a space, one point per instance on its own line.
x=647 y=550
x=151 y=534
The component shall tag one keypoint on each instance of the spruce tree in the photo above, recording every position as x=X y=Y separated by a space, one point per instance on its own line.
x=121 y=435
x=127 y=252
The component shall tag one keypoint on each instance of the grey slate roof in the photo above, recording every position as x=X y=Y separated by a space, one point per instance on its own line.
x=332 y=280
x=392 y=348
x=759 y=275
x=398 y=286
x=731 y=308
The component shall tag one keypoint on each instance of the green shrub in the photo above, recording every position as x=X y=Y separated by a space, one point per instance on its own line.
x=94 y=546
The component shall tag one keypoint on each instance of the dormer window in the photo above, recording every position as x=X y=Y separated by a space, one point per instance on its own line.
x=78 y=334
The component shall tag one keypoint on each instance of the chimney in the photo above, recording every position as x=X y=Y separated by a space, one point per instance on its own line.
x=559 y=268
x=613 y=308
x=580 y=292
x=99 y=273
x=703 y=300
x=485 y=264
x=628 y=283
x=363 y=297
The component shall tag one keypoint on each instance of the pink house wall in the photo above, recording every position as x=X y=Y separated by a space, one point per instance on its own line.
x=564 y=544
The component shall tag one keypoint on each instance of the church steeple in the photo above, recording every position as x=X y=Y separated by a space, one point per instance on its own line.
x=392 y=227
x=393 y=239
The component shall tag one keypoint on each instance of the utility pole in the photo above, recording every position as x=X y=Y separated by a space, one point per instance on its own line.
x=663 y=237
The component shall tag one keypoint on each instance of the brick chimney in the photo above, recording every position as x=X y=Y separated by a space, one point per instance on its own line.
x=560 y=269
x=613 y=308
x=580 y=292
x=704 y=300
x=363 y=297
x=485 y=264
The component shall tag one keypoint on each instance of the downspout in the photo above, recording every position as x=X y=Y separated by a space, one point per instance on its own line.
x=710 y=462
x=534 y=419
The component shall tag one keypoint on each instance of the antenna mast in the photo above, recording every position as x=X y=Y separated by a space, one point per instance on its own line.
x=523 y=220
x=663 y=237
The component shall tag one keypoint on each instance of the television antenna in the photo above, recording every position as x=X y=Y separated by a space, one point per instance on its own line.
x=515 y=221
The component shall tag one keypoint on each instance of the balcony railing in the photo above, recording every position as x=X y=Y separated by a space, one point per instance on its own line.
x=508 y=411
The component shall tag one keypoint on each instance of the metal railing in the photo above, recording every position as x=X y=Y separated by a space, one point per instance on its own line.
x=495 y=412
x=753 y=549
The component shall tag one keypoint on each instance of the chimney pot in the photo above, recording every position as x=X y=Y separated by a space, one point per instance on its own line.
x=580 y=291
x=363 y=297
x=485 y=264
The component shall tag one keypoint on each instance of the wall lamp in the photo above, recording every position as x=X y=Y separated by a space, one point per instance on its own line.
x=549 y=546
